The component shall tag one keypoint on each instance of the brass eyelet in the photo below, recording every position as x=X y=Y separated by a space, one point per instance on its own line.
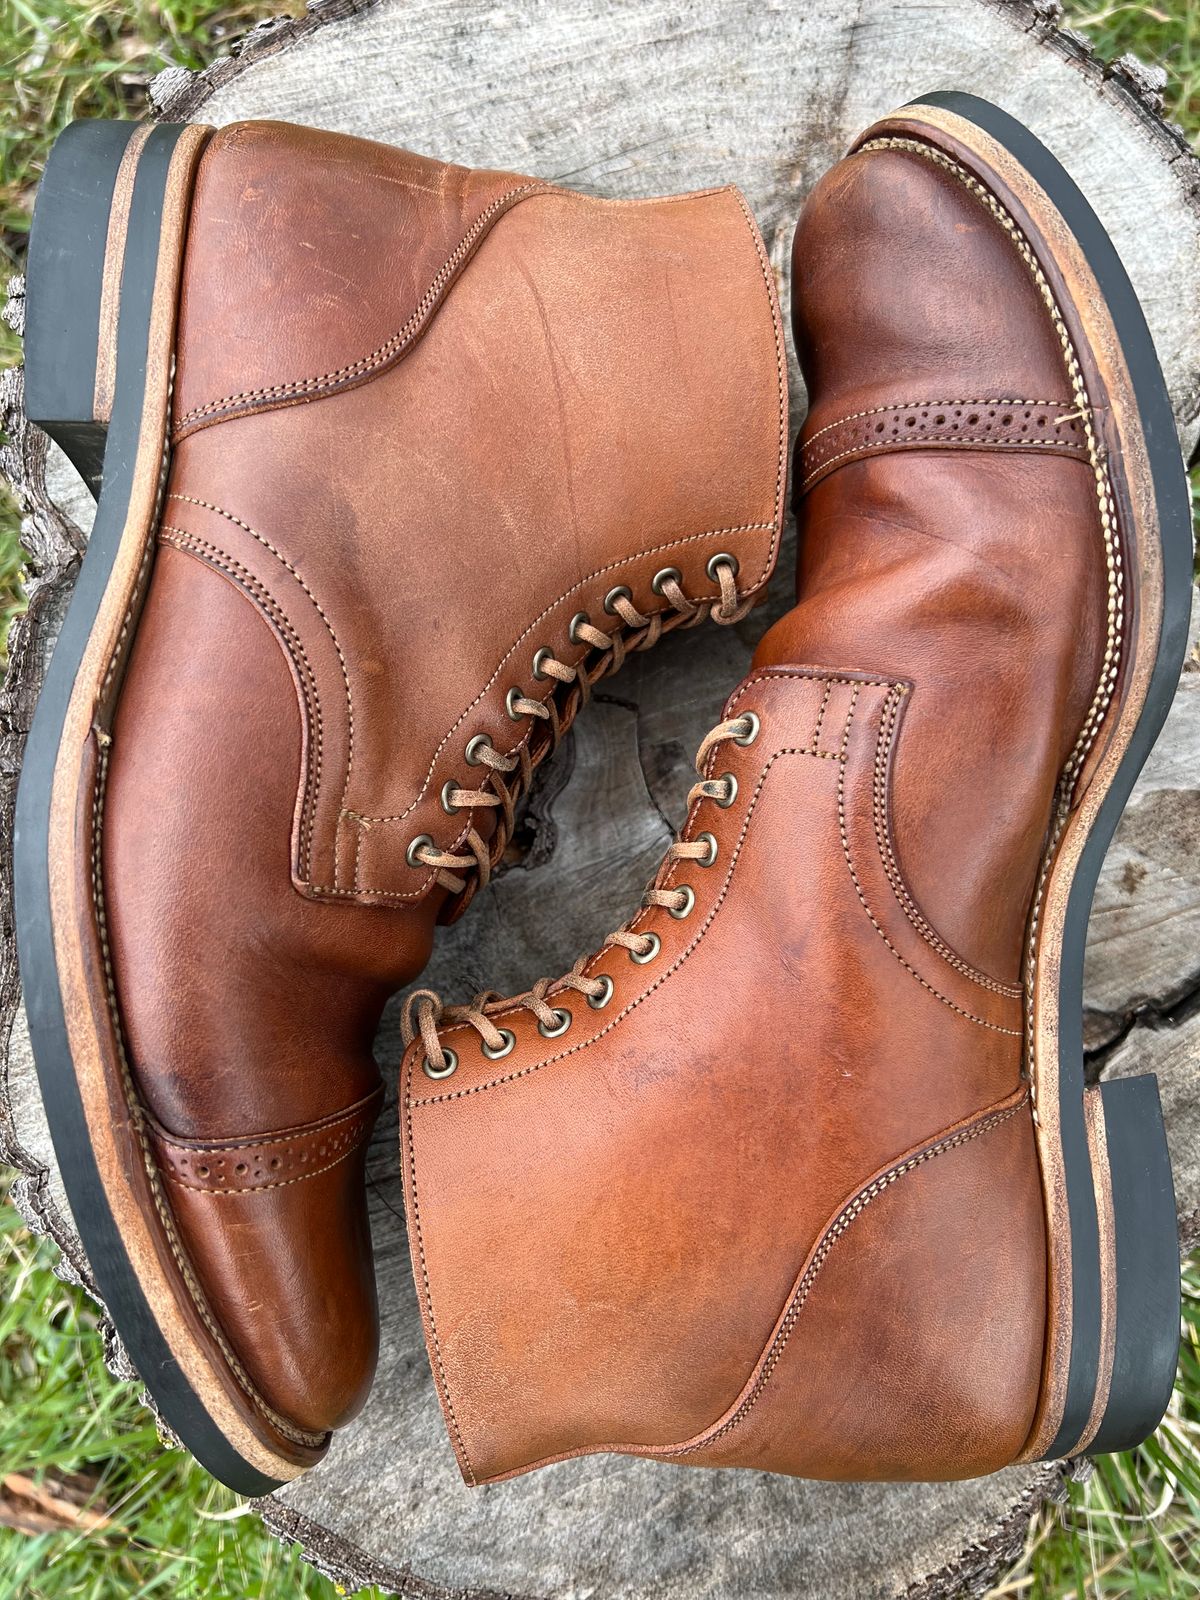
x=599 y=1001
x=508 y=1041
x=752 y=731
x=647 y=955
x=661 y=578
x=510 y=702
x=579 y=620
x=710 y=839
x=448 y=789
x=730 y=782
x=419 y=843
x=689 y=901
x=542 y=656
x=474 y=746
x=449 y=1064
x=721 y=559
x=560 y=1027
x=613 y=595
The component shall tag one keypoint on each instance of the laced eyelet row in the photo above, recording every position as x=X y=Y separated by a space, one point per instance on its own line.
x=509 y=775
x=424 y=1011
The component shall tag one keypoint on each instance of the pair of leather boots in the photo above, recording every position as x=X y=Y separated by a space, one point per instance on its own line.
x=800 y=1170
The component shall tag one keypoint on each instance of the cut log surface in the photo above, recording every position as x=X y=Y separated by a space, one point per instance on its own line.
x=629 y=99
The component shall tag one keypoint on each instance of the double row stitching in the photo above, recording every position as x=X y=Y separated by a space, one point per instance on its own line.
x=213 y=556
x=887 y=734
x=515 y=1005
x=392 y=346
x=937 y=994
x=206 y=505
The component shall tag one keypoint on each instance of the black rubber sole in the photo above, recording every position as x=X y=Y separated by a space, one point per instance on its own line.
x=1145 y=1226
x=66 y=266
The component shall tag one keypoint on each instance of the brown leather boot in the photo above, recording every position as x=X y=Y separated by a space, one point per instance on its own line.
x=395 y=460
x=810 y=1179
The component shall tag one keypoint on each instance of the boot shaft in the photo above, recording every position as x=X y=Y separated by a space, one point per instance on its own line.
x=453 y=419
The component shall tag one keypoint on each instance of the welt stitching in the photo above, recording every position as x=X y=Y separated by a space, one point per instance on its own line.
x=1110 y=666
x=887 y=856
x=261 y=597
x=219 y=511
x=138 y=1122
x=427 y=1290
x=837 y=1230
x=911 y=970
x=562 y=1055
x=392 y=345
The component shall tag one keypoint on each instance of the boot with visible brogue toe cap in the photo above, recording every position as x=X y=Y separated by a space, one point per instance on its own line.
x=800 y=1171
x=394 y=460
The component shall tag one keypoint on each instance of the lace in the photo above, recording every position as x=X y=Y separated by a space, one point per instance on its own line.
x=508 y=776
x=424 y=1011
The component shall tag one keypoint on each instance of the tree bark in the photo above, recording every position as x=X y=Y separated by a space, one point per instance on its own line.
x=633 y=99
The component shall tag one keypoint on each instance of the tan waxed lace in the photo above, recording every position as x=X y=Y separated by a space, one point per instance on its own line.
x=425 y=1013
x=508 y=776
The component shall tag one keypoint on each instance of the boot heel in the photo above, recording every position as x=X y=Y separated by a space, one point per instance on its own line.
x=77 y=248
x=1135 y=1194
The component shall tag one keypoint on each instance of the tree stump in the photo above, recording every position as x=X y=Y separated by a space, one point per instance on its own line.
x=637 y=99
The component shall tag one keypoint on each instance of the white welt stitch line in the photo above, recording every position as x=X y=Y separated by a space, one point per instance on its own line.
x=391 y=346
x=138 y=1123
x=837 y=1229
x=1110 y=667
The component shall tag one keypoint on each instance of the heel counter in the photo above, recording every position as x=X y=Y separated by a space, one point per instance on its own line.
x=912 y=1347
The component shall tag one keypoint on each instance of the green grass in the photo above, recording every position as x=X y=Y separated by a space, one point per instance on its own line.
x=168 y=1529
x=61 y=59
x=1132 y=1529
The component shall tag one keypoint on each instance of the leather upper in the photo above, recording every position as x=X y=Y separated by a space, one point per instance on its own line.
x=778 y=1203
x=423 y=417
x=597 y=395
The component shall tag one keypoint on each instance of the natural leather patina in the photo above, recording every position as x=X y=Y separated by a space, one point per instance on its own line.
x=777 y=1202
x=437 y=433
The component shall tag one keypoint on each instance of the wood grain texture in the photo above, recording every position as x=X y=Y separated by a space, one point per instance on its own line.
x=636 y=98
